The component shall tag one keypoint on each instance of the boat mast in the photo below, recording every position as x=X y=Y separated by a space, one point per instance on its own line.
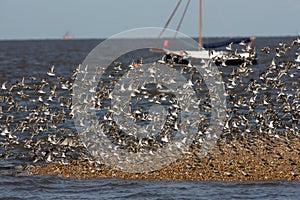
x=200 y=25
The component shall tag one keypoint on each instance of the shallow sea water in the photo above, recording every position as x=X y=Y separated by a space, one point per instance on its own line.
x=50 y=187
x=34 y=58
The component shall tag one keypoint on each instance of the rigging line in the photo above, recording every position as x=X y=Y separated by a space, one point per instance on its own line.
x=170 y=18
x=182 y=17
x=200 y=25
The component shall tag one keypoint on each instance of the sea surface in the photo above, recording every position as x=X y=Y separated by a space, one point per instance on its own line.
x=32 y=59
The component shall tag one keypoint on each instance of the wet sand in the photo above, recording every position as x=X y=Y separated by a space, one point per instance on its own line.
x=250 y=157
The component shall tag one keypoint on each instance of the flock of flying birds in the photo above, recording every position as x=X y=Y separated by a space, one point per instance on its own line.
x=36 y=114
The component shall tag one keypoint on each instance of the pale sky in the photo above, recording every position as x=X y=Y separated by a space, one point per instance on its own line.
x=50 y=19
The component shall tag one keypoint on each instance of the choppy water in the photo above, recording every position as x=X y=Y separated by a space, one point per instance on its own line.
x=48 y=187
x=20 y=59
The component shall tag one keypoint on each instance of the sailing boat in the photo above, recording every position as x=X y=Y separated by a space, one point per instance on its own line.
x=205 y=51
x=67 y=36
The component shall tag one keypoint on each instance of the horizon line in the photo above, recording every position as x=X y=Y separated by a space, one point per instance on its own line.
x=104 y=38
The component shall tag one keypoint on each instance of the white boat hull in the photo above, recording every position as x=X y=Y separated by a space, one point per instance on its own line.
x=220 y=57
